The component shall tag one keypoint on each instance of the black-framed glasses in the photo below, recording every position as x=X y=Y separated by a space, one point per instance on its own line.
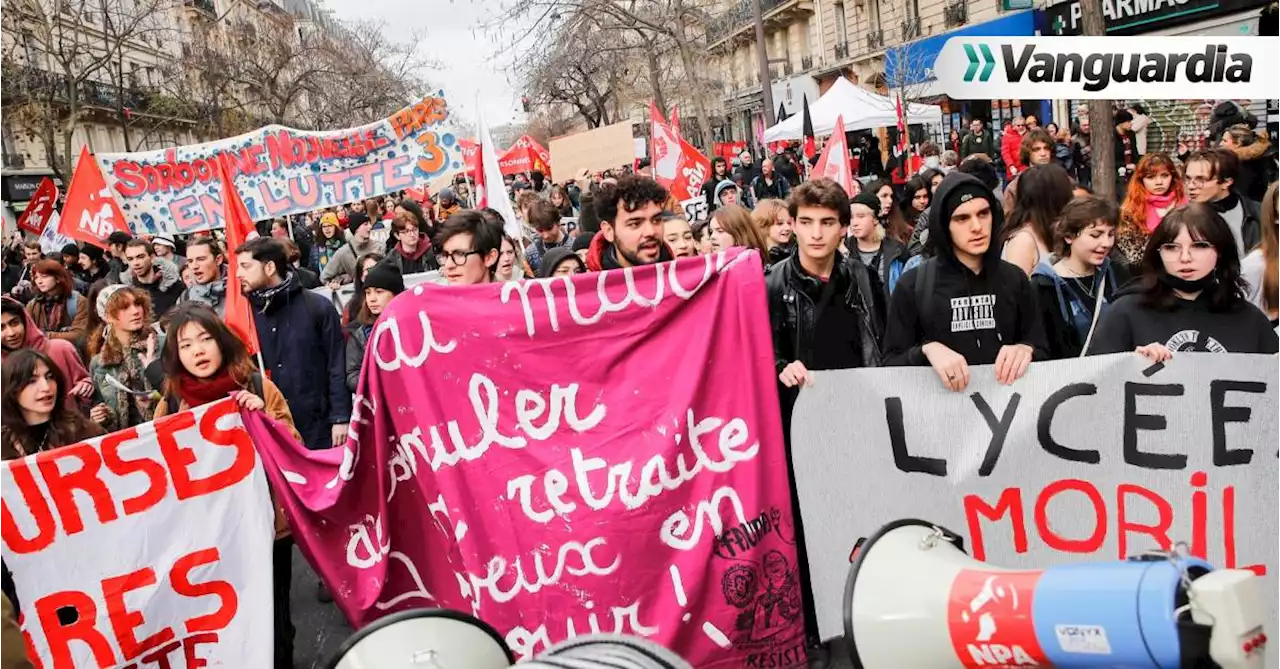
x=458 y=257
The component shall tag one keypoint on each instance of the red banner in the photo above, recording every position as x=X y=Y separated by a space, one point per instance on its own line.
x=677 y=164
x=470 y=154
x=834 y=163
x=730 y=150
x=526 y=155
x=41 y=207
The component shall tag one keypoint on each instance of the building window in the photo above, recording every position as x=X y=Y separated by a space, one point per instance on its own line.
x=842 y=25
x=873 y=14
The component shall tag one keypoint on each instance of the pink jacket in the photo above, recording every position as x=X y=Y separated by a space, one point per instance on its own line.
x=62 y=352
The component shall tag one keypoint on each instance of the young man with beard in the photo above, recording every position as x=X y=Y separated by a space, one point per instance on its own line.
x=1211 y=179
x=469 y=247
x=157 y=276
x=719 y=172
x=205 y=259
x=964 y=306
x=301 y=340
x=630 y=234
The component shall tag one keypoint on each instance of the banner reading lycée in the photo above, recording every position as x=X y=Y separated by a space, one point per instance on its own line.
x=282 y=171
x=147 y=547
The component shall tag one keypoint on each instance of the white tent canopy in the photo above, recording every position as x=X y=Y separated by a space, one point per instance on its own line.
x=860 y=108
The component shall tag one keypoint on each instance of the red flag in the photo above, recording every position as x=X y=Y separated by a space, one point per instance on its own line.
x=675 y=120
x=902 y=125
x=834 y=163
x=41 y=208
x=91 y=212
x=238 y=313
x=810 y=140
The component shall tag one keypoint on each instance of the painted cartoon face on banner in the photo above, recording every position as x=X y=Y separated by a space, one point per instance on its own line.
x=282 y=171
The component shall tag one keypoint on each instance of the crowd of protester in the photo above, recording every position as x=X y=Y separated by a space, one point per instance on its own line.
x=993 y=252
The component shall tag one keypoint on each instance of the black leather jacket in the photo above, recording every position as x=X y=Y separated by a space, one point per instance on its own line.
x=792 y=314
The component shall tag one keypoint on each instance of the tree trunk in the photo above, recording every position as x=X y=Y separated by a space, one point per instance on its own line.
x=1102 y=128
x=703 y=124
x=655 y=73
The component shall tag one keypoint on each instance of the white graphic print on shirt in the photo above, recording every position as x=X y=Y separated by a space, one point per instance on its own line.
x=975 y=312
x=1194 y=340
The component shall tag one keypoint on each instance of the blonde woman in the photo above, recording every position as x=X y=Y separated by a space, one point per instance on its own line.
x=731 y=225
x=773 y=220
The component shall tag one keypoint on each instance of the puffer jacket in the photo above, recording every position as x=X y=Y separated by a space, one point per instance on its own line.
x=792 y=312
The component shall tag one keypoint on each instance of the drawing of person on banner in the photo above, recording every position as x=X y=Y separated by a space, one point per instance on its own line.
x=779 y=605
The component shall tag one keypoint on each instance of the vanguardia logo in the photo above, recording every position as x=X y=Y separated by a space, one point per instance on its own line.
x=987 y=63
x=1098 y=70
x=1107 y=68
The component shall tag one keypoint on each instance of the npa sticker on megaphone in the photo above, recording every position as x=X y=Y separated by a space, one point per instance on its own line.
x=990 y=619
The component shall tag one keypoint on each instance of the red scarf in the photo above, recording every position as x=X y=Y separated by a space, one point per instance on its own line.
x=1154 y=204
x=196 y=392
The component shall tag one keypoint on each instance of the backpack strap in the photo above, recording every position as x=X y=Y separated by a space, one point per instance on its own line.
x=73 y=304
x=926 y=278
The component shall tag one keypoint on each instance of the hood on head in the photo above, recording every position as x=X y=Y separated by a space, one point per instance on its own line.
x=34 y=335
x=552 y=258
x=722 y=187
x=940 y=227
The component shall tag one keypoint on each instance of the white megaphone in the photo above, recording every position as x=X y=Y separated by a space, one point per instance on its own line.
x=914 y=598
x=444 y=639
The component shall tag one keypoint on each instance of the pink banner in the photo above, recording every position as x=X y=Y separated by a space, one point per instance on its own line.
x=567 y=455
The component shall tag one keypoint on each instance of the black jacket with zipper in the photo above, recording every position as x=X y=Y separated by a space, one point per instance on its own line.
x=793 y=314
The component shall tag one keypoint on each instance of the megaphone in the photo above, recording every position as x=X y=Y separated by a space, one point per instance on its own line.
x=445 y=639
x=914 y=598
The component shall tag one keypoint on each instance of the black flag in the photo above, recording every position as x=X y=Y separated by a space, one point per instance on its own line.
x=810 y=142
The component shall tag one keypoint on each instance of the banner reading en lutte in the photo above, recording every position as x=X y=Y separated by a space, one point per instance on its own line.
x=641 y=489
x=281 y=171
x=149 y=547
x=1080 y=460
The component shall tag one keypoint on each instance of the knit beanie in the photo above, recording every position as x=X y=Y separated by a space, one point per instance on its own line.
x=386 y=277
x=961 y=194
x=869 y=200
x=582 y=242
x=70 y=250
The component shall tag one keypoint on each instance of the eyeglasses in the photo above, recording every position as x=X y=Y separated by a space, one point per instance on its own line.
x=457 y=257
x=1197 y=249
x=1199 y=181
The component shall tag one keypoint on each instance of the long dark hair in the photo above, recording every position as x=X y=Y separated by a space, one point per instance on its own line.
x=1203 y=224
x=915 y=183
x=895 y=224
x=235 y=355
x=66 y=424
x=357 y=298
x=1042 y=193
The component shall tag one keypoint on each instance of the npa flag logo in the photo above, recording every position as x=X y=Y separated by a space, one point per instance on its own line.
x=1107 y=68
x=41 y=209
x=91 y=212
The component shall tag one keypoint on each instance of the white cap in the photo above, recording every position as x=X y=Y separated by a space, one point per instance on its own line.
x=164 y=240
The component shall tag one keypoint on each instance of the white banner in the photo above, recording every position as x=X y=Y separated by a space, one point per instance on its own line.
x=281 y=171
x=149 y=547
x=1080 y=460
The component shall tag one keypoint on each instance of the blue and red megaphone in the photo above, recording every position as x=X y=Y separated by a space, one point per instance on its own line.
x=914 y=598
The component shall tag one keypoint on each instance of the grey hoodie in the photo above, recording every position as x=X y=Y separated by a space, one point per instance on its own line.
x=342 y=267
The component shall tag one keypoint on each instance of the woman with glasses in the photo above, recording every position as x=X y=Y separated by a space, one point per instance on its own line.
x=1192 y=297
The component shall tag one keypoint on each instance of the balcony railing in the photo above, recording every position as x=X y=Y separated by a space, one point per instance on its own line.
x=956 y=13
x=806 y=63
x=911 y=29
x=738 y=17
x=205 y=6
x=842 y=50
x=875 y=40
x=14 y=161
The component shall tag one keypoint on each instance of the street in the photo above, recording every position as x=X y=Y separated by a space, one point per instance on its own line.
x=320 y=627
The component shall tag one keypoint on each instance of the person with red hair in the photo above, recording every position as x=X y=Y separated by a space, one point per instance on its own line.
x=56 y=301
x=1155 y=190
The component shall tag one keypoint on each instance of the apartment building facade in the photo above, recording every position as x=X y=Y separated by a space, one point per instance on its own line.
x=143 y=99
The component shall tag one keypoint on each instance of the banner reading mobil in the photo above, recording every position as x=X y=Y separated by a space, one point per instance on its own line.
x=636 y=487
x=282 y=171
x=1082 y=460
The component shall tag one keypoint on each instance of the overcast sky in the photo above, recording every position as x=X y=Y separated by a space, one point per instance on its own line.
x=449 y=32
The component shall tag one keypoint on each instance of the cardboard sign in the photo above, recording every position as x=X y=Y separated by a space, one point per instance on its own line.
x=638 y=494
x=149 y=547
x=281 y=171
x=41 y=208
x=606 y=148
x=695 y=209
x=1080 y=460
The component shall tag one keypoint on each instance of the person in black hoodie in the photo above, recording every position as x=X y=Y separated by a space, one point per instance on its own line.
x=964 y=306
x=719 y=172
x=1191 y=297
